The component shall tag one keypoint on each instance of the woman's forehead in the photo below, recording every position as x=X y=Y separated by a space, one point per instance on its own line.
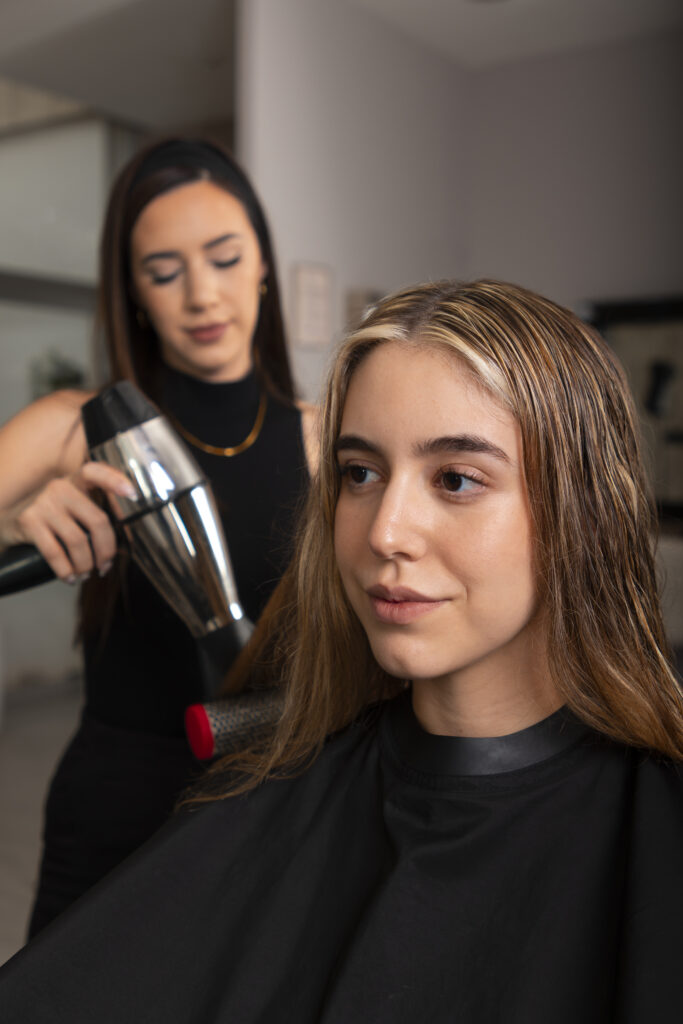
x=415 y=363
x=421 y=390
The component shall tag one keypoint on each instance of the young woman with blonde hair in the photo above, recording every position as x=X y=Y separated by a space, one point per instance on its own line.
x=471 y=807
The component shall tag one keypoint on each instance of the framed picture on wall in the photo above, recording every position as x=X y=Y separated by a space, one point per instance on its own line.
x=311 y=304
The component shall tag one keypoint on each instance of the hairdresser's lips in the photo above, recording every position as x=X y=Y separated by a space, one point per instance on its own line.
x=400 y=605
x=207 y=333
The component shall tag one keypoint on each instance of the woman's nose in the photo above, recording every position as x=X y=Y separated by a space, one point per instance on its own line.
x=400 y=524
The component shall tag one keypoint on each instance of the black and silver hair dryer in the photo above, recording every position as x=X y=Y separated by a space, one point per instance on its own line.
x=172 y=526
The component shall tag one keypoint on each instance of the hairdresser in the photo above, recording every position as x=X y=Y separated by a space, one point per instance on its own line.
x=189 y=308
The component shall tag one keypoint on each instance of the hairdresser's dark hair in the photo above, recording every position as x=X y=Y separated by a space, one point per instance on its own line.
x=132 y=349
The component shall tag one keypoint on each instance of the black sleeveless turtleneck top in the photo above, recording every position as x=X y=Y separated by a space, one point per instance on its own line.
x=142 y=672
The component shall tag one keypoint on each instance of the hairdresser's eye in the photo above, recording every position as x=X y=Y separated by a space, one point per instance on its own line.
x=458 y=483
x=165 y=278
x=356 y=475
x=224 y=264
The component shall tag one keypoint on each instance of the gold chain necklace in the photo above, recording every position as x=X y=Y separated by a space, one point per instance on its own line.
x=227 y=453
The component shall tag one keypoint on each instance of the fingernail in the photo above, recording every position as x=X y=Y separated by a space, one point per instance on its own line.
x=104 y=569
x=128 y=491
x=83 y=577
x=71 y=579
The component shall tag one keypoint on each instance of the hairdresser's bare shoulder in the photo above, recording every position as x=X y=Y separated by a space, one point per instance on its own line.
x=42 y=441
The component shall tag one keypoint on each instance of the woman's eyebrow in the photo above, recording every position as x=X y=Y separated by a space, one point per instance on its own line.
x=459 y=443
x=451 y=444
x=352 y=442
x=173 y=254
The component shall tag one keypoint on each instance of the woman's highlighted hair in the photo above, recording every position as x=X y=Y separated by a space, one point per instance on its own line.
x=593 y=519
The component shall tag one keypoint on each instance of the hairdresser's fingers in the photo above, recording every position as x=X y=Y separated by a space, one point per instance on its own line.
x=99 y=474
x=48 y=525
x=76 y=540
x=91 y=518
x=63 y=517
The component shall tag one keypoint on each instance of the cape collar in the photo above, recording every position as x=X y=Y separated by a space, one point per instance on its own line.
x=463 y=755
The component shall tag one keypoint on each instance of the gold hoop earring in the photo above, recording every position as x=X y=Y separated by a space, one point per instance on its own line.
x=141 y=318
x=263 y=289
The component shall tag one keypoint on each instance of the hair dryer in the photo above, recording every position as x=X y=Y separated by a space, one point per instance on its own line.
x=172 y=526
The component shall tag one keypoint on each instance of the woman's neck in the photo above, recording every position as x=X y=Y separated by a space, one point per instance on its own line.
x=496 y=698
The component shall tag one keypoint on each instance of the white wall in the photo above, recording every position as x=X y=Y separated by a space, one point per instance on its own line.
x=53 y=188
x=376 y=156
x=578 y=164
x=347 y=129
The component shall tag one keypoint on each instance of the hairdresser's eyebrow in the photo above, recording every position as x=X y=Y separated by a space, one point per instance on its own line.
x=172 y=254
x=222 y=238
x=151 y=256
x=450 y=445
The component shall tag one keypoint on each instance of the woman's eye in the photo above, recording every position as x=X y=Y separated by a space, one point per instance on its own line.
x=458 y=483
x=357 y=475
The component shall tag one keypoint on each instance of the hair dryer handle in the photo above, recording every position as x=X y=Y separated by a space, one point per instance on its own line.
x=22 y=566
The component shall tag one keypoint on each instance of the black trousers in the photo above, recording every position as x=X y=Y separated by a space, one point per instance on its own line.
x=111 y=791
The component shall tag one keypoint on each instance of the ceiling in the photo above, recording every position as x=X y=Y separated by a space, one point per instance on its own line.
x=162 y=63
x=483 y=33
x=149 y=63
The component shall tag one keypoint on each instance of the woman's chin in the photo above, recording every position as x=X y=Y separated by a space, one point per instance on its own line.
x=413 y=663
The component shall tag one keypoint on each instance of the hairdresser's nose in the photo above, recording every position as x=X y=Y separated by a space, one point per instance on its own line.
x=400 y=525
x=201 y=291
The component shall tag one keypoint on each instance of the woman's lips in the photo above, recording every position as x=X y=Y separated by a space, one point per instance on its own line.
x=212 y=332
x=400 y=605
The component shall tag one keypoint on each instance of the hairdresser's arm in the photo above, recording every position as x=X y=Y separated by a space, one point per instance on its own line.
x=46 y=486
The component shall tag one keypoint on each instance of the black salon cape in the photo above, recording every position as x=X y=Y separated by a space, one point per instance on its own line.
x=381 y=886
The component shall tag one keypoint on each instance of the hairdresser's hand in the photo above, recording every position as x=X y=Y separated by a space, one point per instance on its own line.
x=70 y=530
